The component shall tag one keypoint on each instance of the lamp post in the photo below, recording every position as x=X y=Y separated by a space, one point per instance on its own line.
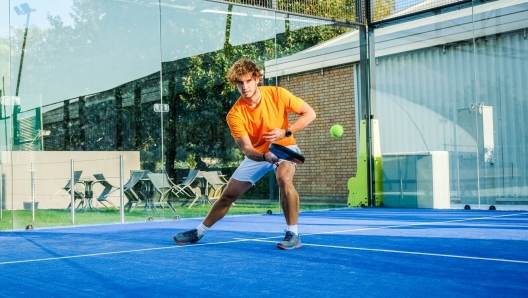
x=24 y=9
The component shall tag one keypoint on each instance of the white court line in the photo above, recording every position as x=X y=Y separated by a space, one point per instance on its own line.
x=414 y=224
x=398 y=226
x=406 y=252
x=261 y=239
x=120 y=252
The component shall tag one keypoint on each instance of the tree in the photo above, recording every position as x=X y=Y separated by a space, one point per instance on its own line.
x=383 y=8
x=206 y=91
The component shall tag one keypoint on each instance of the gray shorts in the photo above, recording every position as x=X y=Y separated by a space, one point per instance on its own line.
x=251 y=171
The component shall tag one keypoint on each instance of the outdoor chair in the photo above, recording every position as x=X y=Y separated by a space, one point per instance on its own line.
x=217 y=185
x=78 y=195
x=163 y=187
x=222 y=176
x=103 y=197
x=185 y=188
x=144 y=173
x=134 y=198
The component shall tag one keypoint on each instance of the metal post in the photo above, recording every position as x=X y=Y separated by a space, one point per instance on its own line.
x=32 y=193
x=280 y=202
x=121 y=191
x=24 y=9
x=372 y=110
x=365 y=104
x=271 y=181
x=21 y=60
x=372 y=71
x=72 y=192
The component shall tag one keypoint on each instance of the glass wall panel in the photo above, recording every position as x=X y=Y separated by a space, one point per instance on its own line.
x=501 y=61
x=84 y=96
x=426 y=108
x=86 y=75
x=4 y=49
x=5 y=127
x=448 y=100
x=315 y=62
x=211 y=37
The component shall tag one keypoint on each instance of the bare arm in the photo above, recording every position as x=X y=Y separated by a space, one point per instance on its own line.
x=307 y=115
x=244 y=143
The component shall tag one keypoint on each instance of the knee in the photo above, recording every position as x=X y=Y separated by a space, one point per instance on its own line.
x=226 y=199
x=284 y=182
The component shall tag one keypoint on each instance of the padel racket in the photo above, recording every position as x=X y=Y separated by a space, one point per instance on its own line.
x=286 y=153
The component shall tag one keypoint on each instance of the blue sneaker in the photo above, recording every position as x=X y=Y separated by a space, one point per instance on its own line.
x=190 y=236
x=290 y=241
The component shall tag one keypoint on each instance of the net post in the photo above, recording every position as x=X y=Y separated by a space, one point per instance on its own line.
x=72 y=191
x=121 y=191
x=32 y=192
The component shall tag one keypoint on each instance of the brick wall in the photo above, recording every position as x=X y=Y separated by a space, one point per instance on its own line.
x=330 y=161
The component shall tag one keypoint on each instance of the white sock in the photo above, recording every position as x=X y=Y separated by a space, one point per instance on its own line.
x=201 y=229
x=293 y=229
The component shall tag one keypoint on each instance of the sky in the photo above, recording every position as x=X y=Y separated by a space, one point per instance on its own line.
x=9 y=18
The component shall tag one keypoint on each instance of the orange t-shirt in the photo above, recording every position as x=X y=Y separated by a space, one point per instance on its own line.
x=271 y=113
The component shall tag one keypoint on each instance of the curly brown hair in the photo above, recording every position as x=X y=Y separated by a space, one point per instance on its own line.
x=242 y=67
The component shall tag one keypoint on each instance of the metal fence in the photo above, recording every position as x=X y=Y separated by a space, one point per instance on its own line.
x=351 y=11
x=345 y=11
x=386 y=10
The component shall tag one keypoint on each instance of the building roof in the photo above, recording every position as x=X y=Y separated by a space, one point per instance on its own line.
x=443 y=29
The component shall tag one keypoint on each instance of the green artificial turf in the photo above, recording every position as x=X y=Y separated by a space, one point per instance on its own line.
x=19 y=219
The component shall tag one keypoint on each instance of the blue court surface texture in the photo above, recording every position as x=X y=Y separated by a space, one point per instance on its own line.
x=369 y=252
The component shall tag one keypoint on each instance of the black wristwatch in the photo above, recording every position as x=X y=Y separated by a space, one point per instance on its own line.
x=288 y=133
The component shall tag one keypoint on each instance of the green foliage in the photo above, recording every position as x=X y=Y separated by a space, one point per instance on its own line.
x=190 y=160
x=383 y=8
x=150 y=160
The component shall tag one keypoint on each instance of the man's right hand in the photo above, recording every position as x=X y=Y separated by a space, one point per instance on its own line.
x=271 y=158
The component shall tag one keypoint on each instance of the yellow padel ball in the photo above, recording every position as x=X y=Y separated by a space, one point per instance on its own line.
x=336 y=131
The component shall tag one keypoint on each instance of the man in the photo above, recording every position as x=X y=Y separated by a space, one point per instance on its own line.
x=256 y=120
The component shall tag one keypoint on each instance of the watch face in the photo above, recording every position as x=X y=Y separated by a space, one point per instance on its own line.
x=288 y=132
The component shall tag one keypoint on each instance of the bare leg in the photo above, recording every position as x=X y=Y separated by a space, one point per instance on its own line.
x=289 y=196
x=233 y=191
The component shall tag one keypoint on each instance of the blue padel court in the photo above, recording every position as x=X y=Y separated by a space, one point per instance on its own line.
x=367 y=252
